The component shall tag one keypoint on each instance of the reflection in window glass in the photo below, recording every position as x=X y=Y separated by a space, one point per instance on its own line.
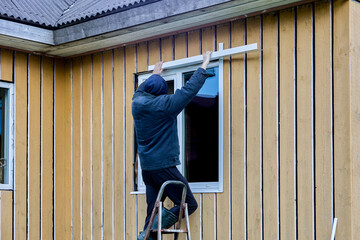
x=201 y=153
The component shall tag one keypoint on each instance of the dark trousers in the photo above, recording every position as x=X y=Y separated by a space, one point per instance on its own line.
x=153 y=181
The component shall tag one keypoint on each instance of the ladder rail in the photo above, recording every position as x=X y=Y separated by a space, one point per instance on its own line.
x=158 y=210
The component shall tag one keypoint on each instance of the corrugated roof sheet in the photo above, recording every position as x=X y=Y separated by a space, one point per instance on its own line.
x=53 y=13
x=83 y=9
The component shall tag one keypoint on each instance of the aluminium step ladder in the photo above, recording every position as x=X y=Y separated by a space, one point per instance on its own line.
x=158 y=209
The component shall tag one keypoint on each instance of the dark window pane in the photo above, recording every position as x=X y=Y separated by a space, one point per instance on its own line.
x=202 y=132
x=170 y=86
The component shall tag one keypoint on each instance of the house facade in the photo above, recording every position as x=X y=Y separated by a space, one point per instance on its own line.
x=287 y=125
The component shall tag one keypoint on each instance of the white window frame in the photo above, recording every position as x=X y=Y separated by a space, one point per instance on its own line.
x=9 y=125
x=176 y=74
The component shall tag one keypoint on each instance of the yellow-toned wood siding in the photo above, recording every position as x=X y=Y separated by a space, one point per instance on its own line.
x=354 y=51
x=6 y=63
x=290 y=125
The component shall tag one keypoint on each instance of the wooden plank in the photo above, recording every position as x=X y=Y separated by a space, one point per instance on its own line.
x=154 y=52
x=86 y=147
x=130 y=217
x=180 y=52
x=107 y=145
x=167 y=49
x=354 y=111
x=6 y=65
x=208 y=216
x=304 y=123
x=47 y=150
x=34 y=148
x=287 y=191
x=223 y=199
x=237 y=133
x=60 y=151
x=270 y=170
x=253 y=133
x=68 y=165
x=142 y=56
x=323 y=116
x=96 y=145
x=342 y=158
x=76 y=148
x=194 y=48
x=167 y=55
x=20 y=165
x=119 y=177
x=180 y=46
x=6 y=210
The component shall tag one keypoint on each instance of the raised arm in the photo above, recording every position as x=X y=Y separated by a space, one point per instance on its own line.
x=182 y=97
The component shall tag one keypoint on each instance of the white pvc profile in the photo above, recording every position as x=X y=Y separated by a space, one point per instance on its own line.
x=9 y=143
x=214 y=56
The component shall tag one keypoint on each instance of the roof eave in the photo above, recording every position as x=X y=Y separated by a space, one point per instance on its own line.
x=133 y=25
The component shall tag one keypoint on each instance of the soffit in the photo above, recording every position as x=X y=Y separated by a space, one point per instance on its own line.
x=157 y=18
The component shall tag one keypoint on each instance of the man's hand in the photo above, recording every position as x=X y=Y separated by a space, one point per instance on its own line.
x=206 y=59
x=158 y=68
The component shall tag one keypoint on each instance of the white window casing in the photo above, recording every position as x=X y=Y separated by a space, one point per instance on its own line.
x=173 y=70
x=9 y=143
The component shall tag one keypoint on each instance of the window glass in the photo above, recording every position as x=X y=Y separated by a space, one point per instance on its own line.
x=201 y=132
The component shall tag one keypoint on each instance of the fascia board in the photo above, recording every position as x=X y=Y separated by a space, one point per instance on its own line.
x=133 y=17
x=161 y=27
x=116 y=29
x=26 y=32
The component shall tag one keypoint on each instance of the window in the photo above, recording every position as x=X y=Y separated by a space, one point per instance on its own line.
x=199 y=130
x=6 y=135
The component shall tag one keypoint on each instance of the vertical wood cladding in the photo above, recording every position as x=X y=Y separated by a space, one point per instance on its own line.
x=287 y=156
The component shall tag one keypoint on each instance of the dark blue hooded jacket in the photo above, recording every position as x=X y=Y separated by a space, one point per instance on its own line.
x=156 y=124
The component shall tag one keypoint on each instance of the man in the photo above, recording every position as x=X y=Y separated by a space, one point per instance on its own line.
x=155 y=113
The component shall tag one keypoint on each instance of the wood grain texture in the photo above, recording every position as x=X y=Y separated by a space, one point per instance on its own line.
x=96 y=145
x=270 y=170
x=47 y=150
x=287 y=191
x=253 y=132
x=223 y=199
x=108 y=145
x=6 y=214
x=86 y=147
x=323 y=117
x=34 y=148
x=76 y=148
x=119 y=177
x=67 y=156
x=130 y=199
x=304 y=123
x=60 y=150
x=6 y=62
x=20 y=164
x=355 y=111
x=342 y=158
x=237 y=133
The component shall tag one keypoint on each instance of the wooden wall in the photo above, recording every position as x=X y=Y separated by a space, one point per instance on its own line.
x=288 y=145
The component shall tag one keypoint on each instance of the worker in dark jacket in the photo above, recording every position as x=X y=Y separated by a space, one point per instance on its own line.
x=155 y=117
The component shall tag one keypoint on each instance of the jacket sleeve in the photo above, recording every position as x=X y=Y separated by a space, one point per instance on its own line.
x=177 y=102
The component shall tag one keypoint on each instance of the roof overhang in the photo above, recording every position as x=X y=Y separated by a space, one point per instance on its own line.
x=133 y=25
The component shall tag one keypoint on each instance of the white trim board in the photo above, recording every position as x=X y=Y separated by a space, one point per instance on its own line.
x=214 y=56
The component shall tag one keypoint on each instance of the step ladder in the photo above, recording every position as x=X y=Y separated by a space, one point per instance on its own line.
x=158 y=210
